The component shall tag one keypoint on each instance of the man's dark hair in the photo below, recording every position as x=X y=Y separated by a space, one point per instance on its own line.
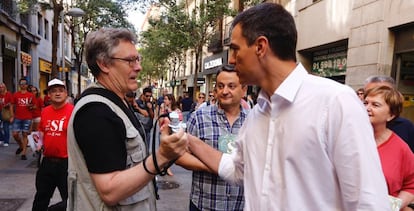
x=225 y=68
x=275 y=23
x=147 y=90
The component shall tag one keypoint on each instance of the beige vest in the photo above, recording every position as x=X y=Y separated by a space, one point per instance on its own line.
x=82 y=192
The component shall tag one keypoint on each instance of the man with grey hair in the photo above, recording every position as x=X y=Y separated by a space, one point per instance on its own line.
x=108 y=165
x=401 y=126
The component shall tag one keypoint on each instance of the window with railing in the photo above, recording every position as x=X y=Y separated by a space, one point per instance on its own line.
x=46 y=29
x=24 y=19
x=215 y=43
x=7 y=6
x=226 y=37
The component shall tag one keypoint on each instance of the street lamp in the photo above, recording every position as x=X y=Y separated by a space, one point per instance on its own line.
x=74 y=12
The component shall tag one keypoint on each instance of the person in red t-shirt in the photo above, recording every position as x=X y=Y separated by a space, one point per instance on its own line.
x=23 y=101
x=383 y=104
x=53 y=170
x=6 y=99
x=37 y=108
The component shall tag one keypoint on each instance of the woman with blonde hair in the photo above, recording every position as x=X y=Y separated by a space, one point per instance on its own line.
x=6 y=99
x=383 y=104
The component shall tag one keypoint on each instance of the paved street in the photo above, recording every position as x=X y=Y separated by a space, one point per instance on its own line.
x=17 y=187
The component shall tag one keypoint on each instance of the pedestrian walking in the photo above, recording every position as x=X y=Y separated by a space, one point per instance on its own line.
x=23 y=101
x=53 y=169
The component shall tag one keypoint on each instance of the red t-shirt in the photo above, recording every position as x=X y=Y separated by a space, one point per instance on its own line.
x=39 y=106
x=46 y=100
x=397 y=161
x=6 y=98
x=54 y=124
x=22 y=101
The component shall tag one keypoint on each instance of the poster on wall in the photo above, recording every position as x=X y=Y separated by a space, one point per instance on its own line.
x=330 y=62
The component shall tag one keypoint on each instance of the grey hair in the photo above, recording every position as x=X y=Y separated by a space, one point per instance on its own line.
x=99 y=45
x=380 y=79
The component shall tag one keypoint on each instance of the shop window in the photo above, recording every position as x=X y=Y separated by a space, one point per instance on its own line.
x=405 y=82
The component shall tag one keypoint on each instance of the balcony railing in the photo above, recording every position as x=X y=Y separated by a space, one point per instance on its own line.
x=226 y=38
x=7 y=7
x=216 y=44
x=25 y=20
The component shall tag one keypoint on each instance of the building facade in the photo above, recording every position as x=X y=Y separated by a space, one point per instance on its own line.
x=344 y=40
x=349 y=41
x=26 y=48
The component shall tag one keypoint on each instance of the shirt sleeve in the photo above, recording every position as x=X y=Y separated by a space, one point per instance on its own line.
x=101 y=135
x=231 y=167
x=352 y=149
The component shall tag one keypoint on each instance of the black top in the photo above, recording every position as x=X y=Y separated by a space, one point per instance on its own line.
x=404 y=129
x=100 y=133
x=186 y=104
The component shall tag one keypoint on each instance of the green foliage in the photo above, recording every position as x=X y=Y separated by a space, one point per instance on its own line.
x=103 y=13
x=179 y=29
x=249 y=3
x=31 y=6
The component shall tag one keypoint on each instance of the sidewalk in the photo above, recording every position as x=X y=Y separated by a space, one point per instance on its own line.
x=17 y=184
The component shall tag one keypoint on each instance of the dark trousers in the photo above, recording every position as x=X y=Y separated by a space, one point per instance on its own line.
x=52 y=173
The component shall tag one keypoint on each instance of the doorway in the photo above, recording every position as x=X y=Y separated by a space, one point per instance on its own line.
x=405 y=82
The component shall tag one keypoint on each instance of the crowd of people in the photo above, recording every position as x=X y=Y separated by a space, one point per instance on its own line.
x=26 y=114
x=304 y=143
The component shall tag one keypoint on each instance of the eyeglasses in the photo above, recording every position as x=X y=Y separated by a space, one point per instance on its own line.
x=211 y=95
x=360 y=93
x=131 y=61
x=148 y=95
x=23 y=83
x=201 y=97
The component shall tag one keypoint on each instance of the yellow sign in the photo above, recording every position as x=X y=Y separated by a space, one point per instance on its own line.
x=408 y=101
x=66 y=69
x=45 y=66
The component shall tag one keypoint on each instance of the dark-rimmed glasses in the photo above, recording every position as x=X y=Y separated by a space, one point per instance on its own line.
x=131 y=61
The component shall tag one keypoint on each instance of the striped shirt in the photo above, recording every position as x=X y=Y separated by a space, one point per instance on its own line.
x=208 y=191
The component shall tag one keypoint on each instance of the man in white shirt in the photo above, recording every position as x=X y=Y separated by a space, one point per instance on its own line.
x=308 y=144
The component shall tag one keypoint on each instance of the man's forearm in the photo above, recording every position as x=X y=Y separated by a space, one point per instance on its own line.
x=207 y=154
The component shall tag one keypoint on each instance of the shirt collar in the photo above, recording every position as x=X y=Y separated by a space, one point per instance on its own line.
x=288 y=88
x=243 y=112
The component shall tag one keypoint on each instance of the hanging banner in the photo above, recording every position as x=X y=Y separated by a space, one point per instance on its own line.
x=26 y=58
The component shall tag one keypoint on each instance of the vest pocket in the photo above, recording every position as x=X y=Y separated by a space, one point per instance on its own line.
x=136 y=153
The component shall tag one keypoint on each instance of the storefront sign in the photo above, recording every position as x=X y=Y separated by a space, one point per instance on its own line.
x=213 y=63
x=330 y=62
x=45 y=66
x=10 y=48
x=201 y=81
x=66 y=69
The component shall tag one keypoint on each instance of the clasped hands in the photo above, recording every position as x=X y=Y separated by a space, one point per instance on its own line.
x=172 y=146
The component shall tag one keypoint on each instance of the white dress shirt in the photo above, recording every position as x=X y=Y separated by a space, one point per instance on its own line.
x=310 y=147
